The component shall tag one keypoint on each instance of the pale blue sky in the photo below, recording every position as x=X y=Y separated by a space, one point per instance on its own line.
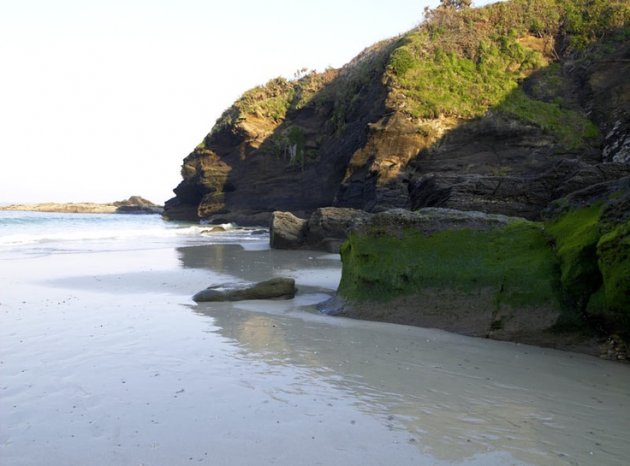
x=101 y=99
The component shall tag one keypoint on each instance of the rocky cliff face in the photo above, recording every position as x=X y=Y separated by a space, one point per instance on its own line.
x=501 y=109
x=507 y=130
x=562 y=282
x=282 y=146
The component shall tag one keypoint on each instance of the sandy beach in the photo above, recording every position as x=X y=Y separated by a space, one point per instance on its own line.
x=418 y=167
x=105 y=359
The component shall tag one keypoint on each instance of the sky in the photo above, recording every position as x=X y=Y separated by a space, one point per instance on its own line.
x=102 y=99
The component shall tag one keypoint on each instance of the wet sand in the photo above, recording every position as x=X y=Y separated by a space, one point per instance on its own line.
x=105 y=359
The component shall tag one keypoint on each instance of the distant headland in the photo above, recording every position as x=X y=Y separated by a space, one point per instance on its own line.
x=133 y=205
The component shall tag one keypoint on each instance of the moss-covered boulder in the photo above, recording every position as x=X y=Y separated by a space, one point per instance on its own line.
x=613 y=254
x=591 y=230
x=577 y=234
x=559 y=283
x=470 y=272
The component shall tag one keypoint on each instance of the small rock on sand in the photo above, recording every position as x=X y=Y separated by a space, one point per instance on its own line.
x=275 y=288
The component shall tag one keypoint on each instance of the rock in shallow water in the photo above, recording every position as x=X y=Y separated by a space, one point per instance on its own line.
x=275 y=288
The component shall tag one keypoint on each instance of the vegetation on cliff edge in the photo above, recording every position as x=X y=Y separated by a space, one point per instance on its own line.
x=463 y=63
x=274 y=99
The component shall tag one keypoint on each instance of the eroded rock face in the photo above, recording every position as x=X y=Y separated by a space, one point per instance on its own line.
x=525 y=196
x=608 y=95
x=260 y=158
x=275 y=288
x=496 y=276
x=346 y=139
x=475 y=273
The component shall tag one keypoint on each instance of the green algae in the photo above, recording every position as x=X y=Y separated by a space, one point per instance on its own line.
x=613 y=250
x=515 y=262
x=595 y=266
x=577 y=265
x=570 y=128
x=576 y=234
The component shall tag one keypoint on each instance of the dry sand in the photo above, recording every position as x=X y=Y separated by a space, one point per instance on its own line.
x=104 y=359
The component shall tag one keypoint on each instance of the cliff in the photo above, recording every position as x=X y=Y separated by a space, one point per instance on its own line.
x=501 y=109
x=562 y=282
x=475 y=172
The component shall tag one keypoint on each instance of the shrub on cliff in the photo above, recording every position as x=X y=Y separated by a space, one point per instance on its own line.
x=462 y=63
x=274 y=99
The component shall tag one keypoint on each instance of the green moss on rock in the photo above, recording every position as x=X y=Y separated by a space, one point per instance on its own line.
x=613 y=251
x=593 y=245
x=570 y=128
x=515 y=262
x=572 y=275
x=576 y=234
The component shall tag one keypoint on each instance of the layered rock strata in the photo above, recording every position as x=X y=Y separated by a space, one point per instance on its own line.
x=457 y=113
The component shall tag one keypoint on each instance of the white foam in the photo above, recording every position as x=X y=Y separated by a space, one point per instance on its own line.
x=188 y=234
x=90 y=235
x=33 y=230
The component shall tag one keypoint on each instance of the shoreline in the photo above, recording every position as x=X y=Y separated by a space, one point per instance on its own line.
x=459 y=322
x=177 y=380
x=404 y=310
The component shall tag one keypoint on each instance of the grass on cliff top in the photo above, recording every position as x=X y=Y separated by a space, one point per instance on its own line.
x=336 y=89
x=459 y=63
x=278 y=96
x=446 y=83
x=464 y=63
x=515 y=261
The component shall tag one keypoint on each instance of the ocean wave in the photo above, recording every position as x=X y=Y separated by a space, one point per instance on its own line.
x=191 y=232
x=37 y=229
x=19 y=230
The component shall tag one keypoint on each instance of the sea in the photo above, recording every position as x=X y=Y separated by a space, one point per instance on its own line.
x=106 y=360
x=49 y=232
